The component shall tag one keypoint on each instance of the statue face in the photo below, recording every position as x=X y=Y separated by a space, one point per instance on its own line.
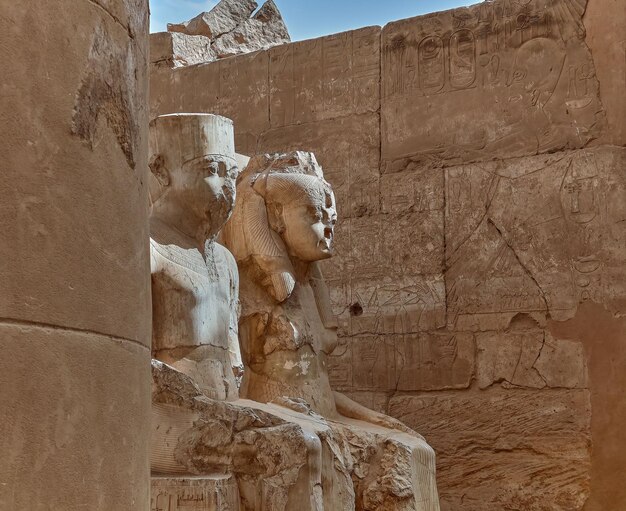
x=206 y=187
x=309 y=227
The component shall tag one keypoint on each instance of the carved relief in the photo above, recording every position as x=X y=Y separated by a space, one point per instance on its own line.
x=195 y=494
x=434 y=361
x=410 y=304
x=544 y=250
x=462 y=60
x=431 y=64
x=521 y=71
x=324 y=78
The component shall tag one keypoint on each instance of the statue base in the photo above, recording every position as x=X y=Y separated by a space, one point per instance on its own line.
x=194 y=493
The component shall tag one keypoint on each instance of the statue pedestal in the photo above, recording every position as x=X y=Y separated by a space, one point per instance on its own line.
x=194 y=493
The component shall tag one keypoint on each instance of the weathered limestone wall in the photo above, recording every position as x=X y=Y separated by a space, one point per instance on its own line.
x=74 y=267
x=479 y=160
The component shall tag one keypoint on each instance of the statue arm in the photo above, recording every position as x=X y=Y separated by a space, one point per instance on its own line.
x=234 y=348
x=353 y=410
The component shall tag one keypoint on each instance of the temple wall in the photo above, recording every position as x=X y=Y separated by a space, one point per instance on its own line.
x=478 y=159
x=74 y=267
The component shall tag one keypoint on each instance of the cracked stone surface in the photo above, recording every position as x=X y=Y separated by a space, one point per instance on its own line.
x=175 y=49
x=223 y=18
x=481 y=248
x=264 y=30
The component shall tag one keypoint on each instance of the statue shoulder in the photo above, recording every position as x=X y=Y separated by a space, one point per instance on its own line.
x=228 y=260
x=226 y=256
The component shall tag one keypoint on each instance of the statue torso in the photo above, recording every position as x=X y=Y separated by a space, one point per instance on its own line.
x=285 y=346
x=191 y=298
x=194 y=305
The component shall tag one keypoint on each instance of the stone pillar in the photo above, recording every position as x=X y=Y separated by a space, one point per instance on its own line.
x=74 y=265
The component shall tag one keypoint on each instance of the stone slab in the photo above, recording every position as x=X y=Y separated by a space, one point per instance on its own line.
x=506 y=449
x=175 y=49
x=435 y=361
x=407 y=362
x=605 y=22
x=325 y=78
x=236 y=88
x=400 y=305
x=530 y=359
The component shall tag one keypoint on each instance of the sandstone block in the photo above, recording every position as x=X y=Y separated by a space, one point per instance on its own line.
x=521 y=449
x=325 y=78
x=264 y=30
x=464 y=84
x=530 y=359
x=223 y=18
x=605 y=23
x=434 y=361
x=400 y=305
x=175 y=49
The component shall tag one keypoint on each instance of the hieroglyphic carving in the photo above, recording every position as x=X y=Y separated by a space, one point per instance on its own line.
x=397 y=306
x=520 y=70
x=431 y=64
x=340 y=369
x=532 y=234
x=413 y=189
x=373 y=362
x=194 y=494
x=462 y=60
x=325 y=78
x=434 y=361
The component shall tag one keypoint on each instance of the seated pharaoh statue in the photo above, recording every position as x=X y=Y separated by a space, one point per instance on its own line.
x=281 y=228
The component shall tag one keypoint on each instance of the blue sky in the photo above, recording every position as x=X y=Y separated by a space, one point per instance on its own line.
x=312 y=18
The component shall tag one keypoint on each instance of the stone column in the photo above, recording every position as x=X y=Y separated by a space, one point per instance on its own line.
x=74 y=265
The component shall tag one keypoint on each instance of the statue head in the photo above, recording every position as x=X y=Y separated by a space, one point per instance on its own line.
x=194 y=169
x=286 y=211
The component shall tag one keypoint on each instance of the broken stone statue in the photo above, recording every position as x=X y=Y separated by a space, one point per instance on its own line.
x=206 y=446
x=282 y=226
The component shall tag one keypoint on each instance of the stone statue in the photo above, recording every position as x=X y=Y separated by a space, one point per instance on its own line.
x=282 y=226
x=208 y=446
x=194 y=279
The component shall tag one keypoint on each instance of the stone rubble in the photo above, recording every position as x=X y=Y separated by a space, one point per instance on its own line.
x=230 y=28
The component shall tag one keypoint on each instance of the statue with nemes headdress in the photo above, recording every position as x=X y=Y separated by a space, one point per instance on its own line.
x=281 y=228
